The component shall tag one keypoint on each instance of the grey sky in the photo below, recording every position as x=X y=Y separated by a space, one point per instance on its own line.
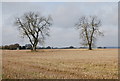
x=0 y=23
x=59 y=0
x=65 y=15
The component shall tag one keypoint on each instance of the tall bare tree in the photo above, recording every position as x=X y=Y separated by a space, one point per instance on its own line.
x=89 y=30
x=34 y=27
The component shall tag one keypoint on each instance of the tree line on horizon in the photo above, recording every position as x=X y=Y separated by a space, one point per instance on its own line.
x=36 y=28
x=29 y=46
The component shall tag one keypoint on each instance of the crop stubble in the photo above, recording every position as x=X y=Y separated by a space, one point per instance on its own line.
x=60 y=64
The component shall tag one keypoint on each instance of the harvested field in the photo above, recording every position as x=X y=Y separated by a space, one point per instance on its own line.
x=60 y=64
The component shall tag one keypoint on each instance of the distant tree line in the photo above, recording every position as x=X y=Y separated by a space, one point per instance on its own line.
x=18 y=47
x=29 y=46
x=15 y=47
x=11 y=47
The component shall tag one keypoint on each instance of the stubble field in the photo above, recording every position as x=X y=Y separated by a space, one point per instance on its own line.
x=60 y=64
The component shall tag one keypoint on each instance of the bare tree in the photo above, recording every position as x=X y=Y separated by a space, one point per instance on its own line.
x=89 y=30
x=34 y=27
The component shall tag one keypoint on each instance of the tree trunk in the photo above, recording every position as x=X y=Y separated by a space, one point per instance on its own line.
x=34 y=48
x=90 y=47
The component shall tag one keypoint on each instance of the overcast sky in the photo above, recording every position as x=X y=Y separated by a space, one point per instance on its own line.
x=65 y=15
